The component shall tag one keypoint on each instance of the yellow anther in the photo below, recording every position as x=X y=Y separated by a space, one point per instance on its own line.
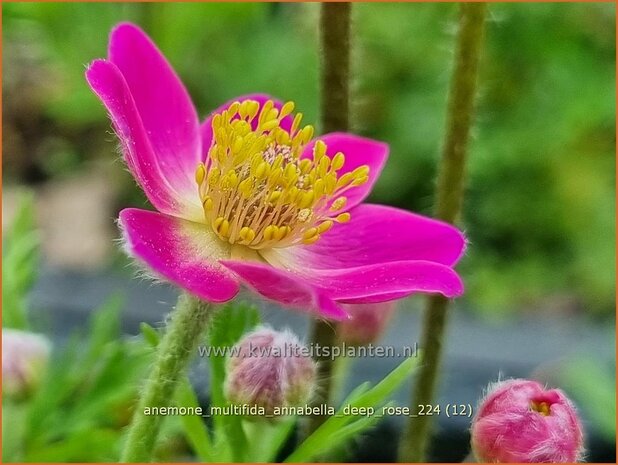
x=361 y=171
x=360 y=181
x=207 y=203
x=306 y=199
x=213 y=176
x=268 y=125
x=323 y=166
x=274 y=176
x=309 y=233
x=286 y=109
x=338 y=204
x=243 y=111
x=281 y=233
x=331 y=183
x=274 y=196
x=292 y=194
x=306 y=134
x=233 y=109
x=323 y=227
x=253 y=109
x=319 y=150
x=246 y=187
x=269 y=232
x=200 y=173
x=343 y=217
x=290 y=173
x=224 y=228
x=238 y=143
x=221 y=136
x=231 y=179
x=338 y=161
x=277 y=163
x=247 y=234
x=282 y=138
x=305 y=165
x=296 y=123
x=311 y=240
x=344 y=180
x=217 y=224
x=262 y=170
x=318 y=187
x=268 y=105
x=272 y=114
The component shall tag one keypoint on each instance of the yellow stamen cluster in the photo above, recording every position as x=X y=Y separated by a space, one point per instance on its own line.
x=257 y=191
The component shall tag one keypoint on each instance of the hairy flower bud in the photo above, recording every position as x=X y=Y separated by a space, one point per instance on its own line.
x=520 y=421
x=270 y=369
x=367 y=322
x=24 y=358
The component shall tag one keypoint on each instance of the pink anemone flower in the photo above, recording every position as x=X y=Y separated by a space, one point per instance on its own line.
x=249 y=196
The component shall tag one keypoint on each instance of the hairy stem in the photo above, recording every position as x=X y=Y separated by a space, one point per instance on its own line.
x=335 y=116
x=173 y=353
x=449 y=198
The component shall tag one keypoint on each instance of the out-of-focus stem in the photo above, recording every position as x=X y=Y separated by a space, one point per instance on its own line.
x=335 y=116
x=189 y=321
x=449 y=198
x=335 y=66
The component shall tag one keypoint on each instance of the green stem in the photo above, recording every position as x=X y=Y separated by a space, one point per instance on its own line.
x=335 y=116
x=173 y=353
x=449 y=198
x=335 y=66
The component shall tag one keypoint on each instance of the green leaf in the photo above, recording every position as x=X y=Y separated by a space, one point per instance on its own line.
x=340 y=428
x=193 y=426
x=104 y=326
x=20 y=259
x=267 y=438
x=13 y=431
x=151 y=335
x=89 y=386
x=92 y=445
x=388 y=385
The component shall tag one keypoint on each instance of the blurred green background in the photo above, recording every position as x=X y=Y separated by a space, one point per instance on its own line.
x=540 y=206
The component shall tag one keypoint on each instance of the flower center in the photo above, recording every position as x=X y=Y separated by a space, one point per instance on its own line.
x=258 y=191
x=541 y=407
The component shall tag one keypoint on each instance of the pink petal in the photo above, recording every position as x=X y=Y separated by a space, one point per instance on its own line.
x=108 y=83
x=206 y=129
x=286 y=288
x=386 y=281
x=379 y=234
x=358 y=151
x=181 y=251
x=166 y=110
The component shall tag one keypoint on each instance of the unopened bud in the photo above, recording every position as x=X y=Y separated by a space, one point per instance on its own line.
x=520 y=421
x=366 y=324
x=24 y=359
x=270 y=369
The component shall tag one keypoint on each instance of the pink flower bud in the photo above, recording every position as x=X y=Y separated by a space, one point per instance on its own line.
x=24 y=358
x=367 y=322
x=520 y=421
x=270 y=369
